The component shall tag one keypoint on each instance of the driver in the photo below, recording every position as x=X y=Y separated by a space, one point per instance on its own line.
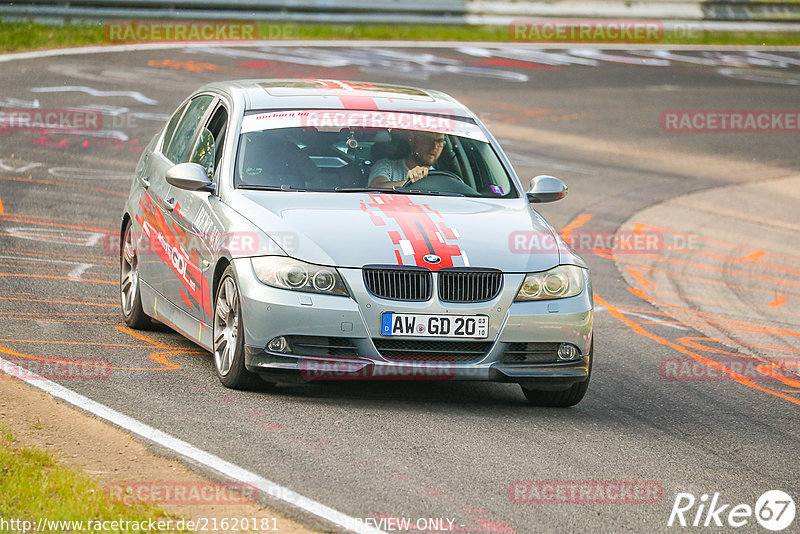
x=426 y=147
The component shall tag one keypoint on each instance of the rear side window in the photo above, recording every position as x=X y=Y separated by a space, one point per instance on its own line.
x=184 y=133
x=173 y=122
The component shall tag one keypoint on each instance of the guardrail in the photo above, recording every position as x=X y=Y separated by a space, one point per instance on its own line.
x=493 y=12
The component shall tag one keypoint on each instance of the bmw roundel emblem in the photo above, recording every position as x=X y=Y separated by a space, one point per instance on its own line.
x=431 y=258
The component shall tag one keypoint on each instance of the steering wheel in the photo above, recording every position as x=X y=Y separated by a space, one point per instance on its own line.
x=441 y=180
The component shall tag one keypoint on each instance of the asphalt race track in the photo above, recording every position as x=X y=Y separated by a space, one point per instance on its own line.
x=696 y=384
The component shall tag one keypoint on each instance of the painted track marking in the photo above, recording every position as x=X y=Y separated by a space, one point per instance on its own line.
x=186 y=451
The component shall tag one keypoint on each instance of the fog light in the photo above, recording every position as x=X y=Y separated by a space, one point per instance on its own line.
x=279 y=344
x=568 y=352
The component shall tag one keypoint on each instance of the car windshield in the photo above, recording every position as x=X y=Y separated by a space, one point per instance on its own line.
x=348 y=151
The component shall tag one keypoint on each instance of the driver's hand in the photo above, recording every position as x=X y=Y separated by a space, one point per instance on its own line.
x=417 y=173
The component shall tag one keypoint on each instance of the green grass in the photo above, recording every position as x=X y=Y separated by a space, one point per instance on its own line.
x=736 y=38
x=503 y=34
x=34 y=486
x=17 y=36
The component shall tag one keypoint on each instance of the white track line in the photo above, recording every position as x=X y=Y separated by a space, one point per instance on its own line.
x=136 y=95
x=42 y=260
x=187 y=451
x=37 y=54
x=78 y=271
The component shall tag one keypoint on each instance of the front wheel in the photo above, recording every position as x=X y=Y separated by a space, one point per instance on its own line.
x=129 y=295
x=563 y=398
x=229 y=337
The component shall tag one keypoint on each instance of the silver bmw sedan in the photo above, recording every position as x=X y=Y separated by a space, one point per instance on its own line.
x=331 y=230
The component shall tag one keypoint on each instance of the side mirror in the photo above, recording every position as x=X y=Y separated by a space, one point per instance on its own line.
x=190 y=176
x=546 y=188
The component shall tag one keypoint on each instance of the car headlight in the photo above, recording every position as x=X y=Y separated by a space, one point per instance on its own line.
x=289 y=273
x=557 y=283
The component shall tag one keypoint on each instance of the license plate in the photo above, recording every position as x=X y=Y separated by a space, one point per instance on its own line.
x=412 y=324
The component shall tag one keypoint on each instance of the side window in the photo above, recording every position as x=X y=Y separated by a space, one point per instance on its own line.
x=217 y=126
x=489 y=170
x=184 y=133
x=173 y=122
x=204 y=152
x=208 y=148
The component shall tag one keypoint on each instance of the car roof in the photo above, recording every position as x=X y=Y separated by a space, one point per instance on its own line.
x=339 y=94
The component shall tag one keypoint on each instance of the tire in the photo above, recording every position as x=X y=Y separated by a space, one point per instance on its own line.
x=129 y=295
x=228 y=347
x=563 y=398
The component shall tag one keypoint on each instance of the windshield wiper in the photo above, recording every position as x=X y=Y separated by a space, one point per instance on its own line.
x=269 y=187
x=396 y=189
x=359 y=190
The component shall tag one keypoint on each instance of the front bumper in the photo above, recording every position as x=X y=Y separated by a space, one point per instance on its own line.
x=281 y=368
x=348 y=345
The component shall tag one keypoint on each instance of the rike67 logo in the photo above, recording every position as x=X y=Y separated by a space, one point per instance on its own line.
x=774 y=510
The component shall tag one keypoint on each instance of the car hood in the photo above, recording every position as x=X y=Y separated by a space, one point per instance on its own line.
x=357 y=229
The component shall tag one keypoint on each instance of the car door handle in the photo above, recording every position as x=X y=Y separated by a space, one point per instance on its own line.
x=169 y=204
x=145 y=181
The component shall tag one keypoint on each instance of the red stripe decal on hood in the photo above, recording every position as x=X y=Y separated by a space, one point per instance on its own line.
x=418 y=233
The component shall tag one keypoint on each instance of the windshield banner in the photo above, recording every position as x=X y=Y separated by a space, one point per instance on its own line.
x=335 y=120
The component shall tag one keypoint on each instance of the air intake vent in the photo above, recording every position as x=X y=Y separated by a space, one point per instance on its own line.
x=531 y=353
x=322 y=346
x=404 y=350
x=469 y=285
x=393 y=283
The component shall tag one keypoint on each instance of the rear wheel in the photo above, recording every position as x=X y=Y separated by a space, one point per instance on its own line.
x=229 y=337
x=562 y=398
x=129 y=295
